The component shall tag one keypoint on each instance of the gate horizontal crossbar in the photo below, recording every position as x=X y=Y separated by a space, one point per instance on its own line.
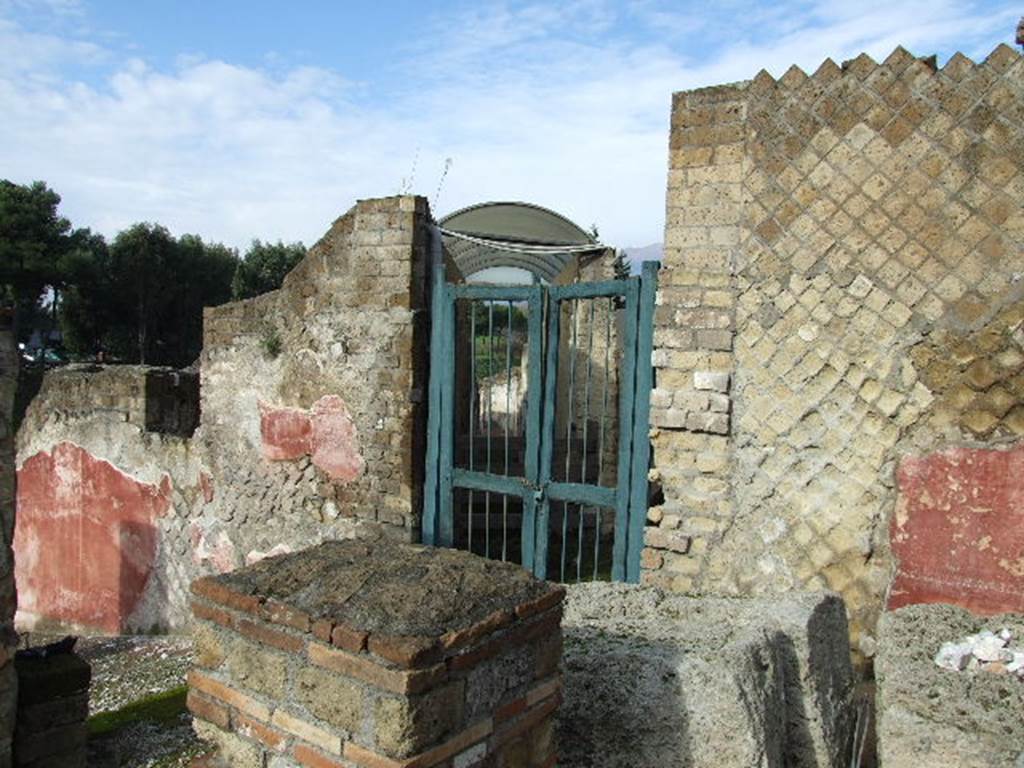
x=493 y=292
x=578 y=493
x=588 y=290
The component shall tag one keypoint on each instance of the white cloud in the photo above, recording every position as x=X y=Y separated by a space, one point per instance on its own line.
x=552 y=104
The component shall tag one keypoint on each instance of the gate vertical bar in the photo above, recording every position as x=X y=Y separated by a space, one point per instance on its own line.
x=641 y=420
x=446 y=439
x=626 y=431
x=547 y=437
x=533 y=542
x=428 y=524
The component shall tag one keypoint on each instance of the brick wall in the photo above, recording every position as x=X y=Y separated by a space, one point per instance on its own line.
x=841 y=289
x=154 y=399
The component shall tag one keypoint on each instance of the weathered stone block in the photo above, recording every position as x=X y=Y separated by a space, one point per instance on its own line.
x=930 y=716
x=659 y=679
x=333 y=698
x=258 y=669
x=406 y=726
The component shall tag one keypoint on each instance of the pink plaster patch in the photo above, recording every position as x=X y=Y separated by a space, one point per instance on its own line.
x=335 y=443
x=285 y=432
x=958 y=530
x=215 y=550
x=86 y=538
x=256 y=555
x=326 y=432
x=206 y=486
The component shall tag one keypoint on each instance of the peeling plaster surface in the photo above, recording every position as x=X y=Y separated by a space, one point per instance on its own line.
x=285 y=433
x=86 y=539
x=326 y=433
x=958 y=531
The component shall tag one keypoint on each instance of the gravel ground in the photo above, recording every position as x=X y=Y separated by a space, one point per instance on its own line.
x=125 y=670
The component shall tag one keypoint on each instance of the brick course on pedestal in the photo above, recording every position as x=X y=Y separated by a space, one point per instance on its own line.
x=377 y=654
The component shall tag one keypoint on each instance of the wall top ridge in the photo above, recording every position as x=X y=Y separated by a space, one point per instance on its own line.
x=959 y=66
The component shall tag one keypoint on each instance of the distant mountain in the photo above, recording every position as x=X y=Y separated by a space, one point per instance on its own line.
x=639 y=254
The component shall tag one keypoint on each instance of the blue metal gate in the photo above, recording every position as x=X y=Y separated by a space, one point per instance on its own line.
x=539 y=402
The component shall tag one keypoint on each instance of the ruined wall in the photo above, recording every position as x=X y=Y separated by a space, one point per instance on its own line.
x=104 y=501
x=313 y=396
x=841 y=289
x=8 y=639
x=311 y=413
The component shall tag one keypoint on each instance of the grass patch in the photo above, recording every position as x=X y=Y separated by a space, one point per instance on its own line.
x=164 y=708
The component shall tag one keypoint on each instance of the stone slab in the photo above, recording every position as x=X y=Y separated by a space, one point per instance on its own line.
x=653 y=678
x=930 y=716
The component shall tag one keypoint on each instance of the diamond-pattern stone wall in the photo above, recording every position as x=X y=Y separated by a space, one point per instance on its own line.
x=841 y=287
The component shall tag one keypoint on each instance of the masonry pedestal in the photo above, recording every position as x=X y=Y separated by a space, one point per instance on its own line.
x=53 y=704
x=377 y=654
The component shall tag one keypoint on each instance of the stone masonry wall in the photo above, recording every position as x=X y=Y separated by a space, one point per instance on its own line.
x=841 y=287
x=322 y=437
x=312 y=414
x=8 y=598
x=105 y=501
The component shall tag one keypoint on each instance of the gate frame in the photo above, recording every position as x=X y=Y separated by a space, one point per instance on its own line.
x=536 y=489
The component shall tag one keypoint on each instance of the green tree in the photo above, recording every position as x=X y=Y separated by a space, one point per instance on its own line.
x=33 y=239
x=205 y=274
x=142 y=274
x=142 y=299
x=621 y=265
x=83 y=310
x=264 y=267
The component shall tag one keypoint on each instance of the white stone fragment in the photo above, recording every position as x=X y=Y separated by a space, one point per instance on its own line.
x=987 y=651
x=989 y=647
x=954 y=656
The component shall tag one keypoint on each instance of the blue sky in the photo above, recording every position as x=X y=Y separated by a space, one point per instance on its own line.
x=239 y=120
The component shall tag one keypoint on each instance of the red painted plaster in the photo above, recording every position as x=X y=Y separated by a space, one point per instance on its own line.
x=326 y=432
x=958 y=530
x=286 y=433
x=85 y=539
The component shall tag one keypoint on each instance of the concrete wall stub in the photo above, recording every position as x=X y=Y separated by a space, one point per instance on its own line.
x=377 y=653
x=311 y=428
x=842 y=251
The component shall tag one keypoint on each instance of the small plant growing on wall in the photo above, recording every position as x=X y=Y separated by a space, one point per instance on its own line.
x=270 y=342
